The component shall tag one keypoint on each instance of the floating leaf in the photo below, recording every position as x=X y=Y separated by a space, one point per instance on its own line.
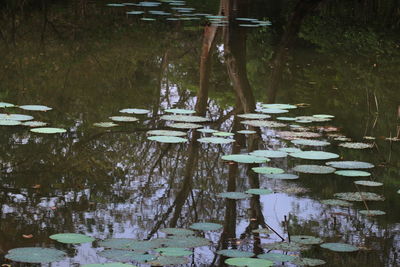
x=276 y=257
x=71 y=238
x=267 y=170
x=259 y=191
x=352 y=173
x=184 y=118
x=246 y=132
x=314 y=169
x=168 y=260
x=339 y=247
x=282 y=176
x=117 y=243
x=223 y=134
x=134 y=111
x=233 y=195
x=180 y=111
x=186 y=241
x=307 y=142
x=35 y=255
x=350 y=164
x=259 y=123
x=177 y=231
x=323 y=116
x=273 y=110
x=15 y=117
x=48 y=130
x=167 y=139
x=290 y=149
x=234 y=253
x=311 y=119
x=359 y=196
x=262 y=231
x=286 y=118
x=215 y=140
x=279 y=106
x=185 y=125
x=356 y=145
x=254 y=116
x=123 y=118
x=166 y=133
x=207 y=130
x=372 y=212
x=308 y=262
x=34 y=123
x=9 y=122
x=126 y=255
x=35 y=107
x=368 y=183
x=206 y=226
x=290 y=135
x=112 y=264
x=244 y=158
x=6 y=105
x=284 y=246
x=250 y=262
x=105 y=124
x=336 y=202
x=315 y=155
x=269 y=153
x=306 y=239
x=174 y=252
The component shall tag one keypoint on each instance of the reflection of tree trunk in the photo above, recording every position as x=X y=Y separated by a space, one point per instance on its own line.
x=302 y=9
x=163 y=69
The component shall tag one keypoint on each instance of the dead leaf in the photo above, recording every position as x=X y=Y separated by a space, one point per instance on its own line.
x=27 y=236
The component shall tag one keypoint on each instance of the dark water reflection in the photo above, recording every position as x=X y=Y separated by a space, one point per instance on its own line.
x=88 y=62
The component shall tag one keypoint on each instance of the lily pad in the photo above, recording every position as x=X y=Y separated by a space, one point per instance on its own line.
x=184 y=118
x=339 y=247
x=273 y=110
x=35 y=255
x=34 y=124
x=290 y=149
x=314 y=169
x=308 y=142
x=206 y=226
x=254 y=116
x=186 y=242
x=269 y=153
x=207 y=130
x=180 y=111
x=185 y=125
x=276 y=257
x=223 y=134
x=244 y=158
x=106 y=124
x=259 y=123
x=9 y=122
x=215 y=140
x=359 y=196
x=282 y=176
x=35 y=107
x=167 y=139
x=72 y=238
x=117 y=243
x=314 y=155
x=356 y=145
x=259 y=191
x=168 y=260
x=246 y=132
x=174 y=252
x=112 y=264
x=134 y=111
x=286 y=118
x=324 y=116
x=234 y=253
x=306 y=239
x=372 y=212
x=308 y=262
x=233 y=195
x=267 y=170
x=353 y=173
x=368 y=183
x=48 y=130
x=126 y=255
x=336 y=202
x=262 y=231
x=285 y=246
x=250 y=262
x=15 y=117
x=177 y=231
x=166 y=133
x=350 y=164
x=279 y=106
x=123 y=118
x=6 y=105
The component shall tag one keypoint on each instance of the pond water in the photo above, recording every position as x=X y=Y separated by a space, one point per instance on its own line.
x=88 y=60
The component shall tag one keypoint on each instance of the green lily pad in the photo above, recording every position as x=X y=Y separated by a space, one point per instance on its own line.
x=48 y=130
x=282 y=176
x=167 y=139
x=339 y=247
x=34 y=124
x=350 y=164
x=106 y=124
x=233 y=195
x=180 y=111
x=262 y=231
x=112 y=264
x=207 y=130
x=279 y=106
x=206 y=226
x=313 y=169
x=314 y=155
x=273 y=110
x=286 y=118
x=356 y=145
x=174 y=252
x=35 y=255
x=398 y=191
x=308 y=142
x=250 y=262
x=168 y=260
x=244 y=158
x=215 y=140
x=285 y=246
x=6 y=105
x=185 y=125
x=234 y=253
x=117 y=243
x=184 y=118
x=308 y=262
x=289 y=149
x=126 y=255
x=359 y=196
x=306 y=239
x=123 y=118
x=71 y=238
x=259 y=123
x=276 y=257
x=269 y=153
x=267 y=170
x=177 y=231
x=309 y=119
x=336 y=202
x=134 y=111
x=9 y=122
x=223 y=134
x=372 y=212
x=35 y=107
x=353 y=173
x=368 y=183
x=246 y=132
x=291 y=135
x=186 y=242
x=254 y=116
x=15 y=117
x=259 y=191
x=323 y=116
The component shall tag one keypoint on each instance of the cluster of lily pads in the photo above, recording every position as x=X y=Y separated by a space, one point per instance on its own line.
x=15 y=119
